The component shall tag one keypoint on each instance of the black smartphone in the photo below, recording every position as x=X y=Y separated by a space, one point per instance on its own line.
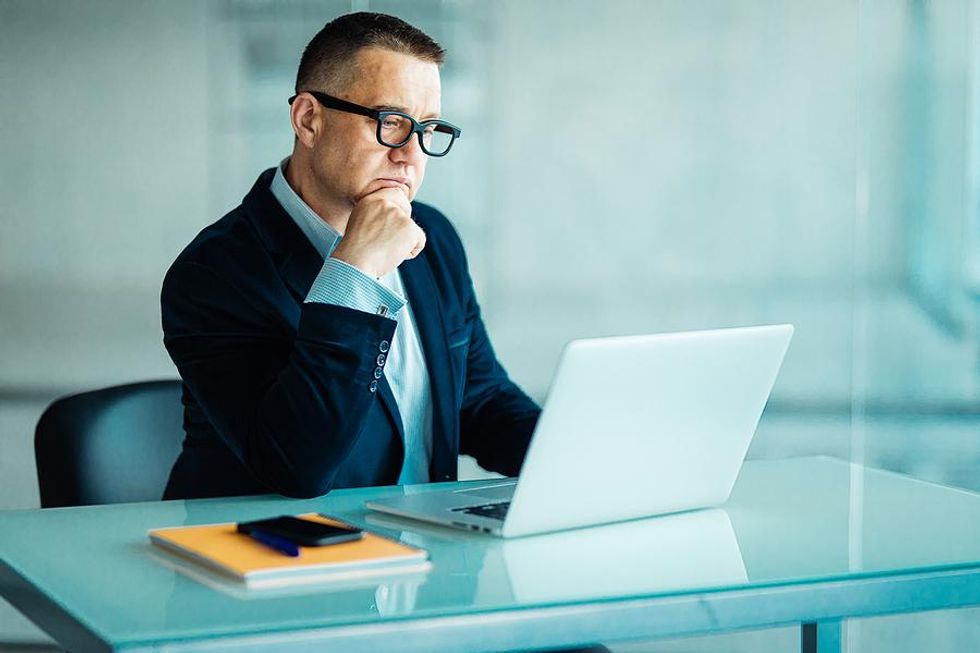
x=302 y=531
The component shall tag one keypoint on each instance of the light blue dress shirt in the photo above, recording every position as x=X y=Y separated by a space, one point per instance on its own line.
x=342 y=284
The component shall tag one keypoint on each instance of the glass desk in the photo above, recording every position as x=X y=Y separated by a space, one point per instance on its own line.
x=810 y=541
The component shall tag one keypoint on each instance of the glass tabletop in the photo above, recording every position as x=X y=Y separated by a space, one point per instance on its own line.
x=789 y=522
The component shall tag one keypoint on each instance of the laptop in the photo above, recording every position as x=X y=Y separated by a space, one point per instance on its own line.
x=632 y=427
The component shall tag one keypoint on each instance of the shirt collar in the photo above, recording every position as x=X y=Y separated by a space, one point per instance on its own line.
x=322 y=236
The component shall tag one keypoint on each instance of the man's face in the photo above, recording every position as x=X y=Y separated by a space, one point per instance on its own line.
x=348 y=160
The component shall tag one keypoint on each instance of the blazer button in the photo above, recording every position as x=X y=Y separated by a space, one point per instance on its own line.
x=374 y=386
x=377 y=372
x=384 y=346
x=381 y=360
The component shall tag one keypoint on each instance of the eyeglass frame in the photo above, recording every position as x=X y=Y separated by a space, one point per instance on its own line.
x=418 y=127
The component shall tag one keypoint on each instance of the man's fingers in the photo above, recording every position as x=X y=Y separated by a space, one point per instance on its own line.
x=405 y=202
x=395 y=196
x=378 y=232
x=419 y=245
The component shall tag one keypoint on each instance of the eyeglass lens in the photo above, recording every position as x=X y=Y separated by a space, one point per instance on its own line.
x=395 y=131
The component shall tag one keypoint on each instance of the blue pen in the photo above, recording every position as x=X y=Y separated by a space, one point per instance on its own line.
x=280 y=544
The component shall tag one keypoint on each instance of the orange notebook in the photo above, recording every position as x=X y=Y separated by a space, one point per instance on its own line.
x=222 y=549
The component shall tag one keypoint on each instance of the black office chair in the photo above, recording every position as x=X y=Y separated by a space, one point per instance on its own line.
x=113 y=445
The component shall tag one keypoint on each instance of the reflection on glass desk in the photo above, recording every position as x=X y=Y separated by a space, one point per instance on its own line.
x=686 y=551
x=810 y=541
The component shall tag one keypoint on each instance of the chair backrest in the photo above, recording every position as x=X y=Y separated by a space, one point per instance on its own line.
x=113 y=445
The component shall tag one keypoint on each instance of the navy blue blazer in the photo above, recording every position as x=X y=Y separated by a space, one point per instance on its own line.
x=278 y=393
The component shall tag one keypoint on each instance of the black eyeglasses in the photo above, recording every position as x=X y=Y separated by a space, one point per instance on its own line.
x=395 y=128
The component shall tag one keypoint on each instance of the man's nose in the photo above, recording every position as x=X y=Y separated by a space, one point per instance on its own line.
x=410 y=153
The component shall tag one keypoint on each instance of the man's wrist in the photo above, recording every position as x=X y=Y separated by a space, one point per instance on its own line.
x=343 y=284
x=361 y=265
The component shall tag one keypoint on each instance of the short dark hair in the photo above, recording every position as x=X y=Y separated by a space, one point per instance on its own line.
x=327 y=61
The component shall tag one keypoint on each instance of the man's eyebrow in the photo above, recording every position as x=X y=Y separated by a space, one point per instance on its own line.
x=392 y=107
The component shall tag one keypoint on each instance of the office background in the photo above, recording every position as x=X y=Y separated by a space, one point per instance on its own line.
x=625 y=167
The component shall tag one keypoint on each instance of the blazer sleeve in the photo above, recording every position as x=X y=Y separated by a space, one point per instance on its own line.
x=290 y=408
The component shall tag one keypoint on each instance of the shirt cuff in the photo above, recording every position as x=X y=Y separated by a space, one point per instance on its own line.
x=341 y=284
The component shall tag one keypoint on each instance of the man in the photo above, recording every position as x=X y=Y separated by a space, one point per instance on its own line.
x=326 y=329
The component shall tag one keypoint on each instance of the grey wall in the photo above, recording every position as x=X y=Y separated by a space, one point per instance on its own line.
x=104 y=169
x=626 y=167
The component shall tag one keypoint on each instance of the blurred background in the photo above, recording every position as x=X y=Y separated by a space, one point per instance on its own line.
x=625 y=167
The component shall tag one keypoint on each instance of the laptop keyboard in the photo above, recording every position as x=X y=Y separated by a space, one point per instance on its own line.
x=489 y=510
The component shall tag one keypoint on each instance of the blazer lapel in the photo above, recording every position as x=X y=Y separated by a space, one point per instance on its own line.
x=295 y=257
x=423 y=298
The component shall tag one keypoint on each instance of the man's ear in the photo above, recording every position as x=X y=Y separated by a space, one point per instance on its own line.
x=305 y=117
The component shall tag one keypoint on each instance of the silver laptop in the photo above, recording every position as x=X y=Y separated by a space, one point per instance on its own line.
x=632 y=427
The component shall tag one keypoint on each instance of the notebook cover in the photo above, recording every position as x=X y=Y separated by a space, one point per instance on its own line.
x=224 y=550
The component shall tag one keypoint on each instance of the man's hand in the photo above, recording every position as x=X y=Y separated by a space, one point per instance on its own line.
x=380 y=233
